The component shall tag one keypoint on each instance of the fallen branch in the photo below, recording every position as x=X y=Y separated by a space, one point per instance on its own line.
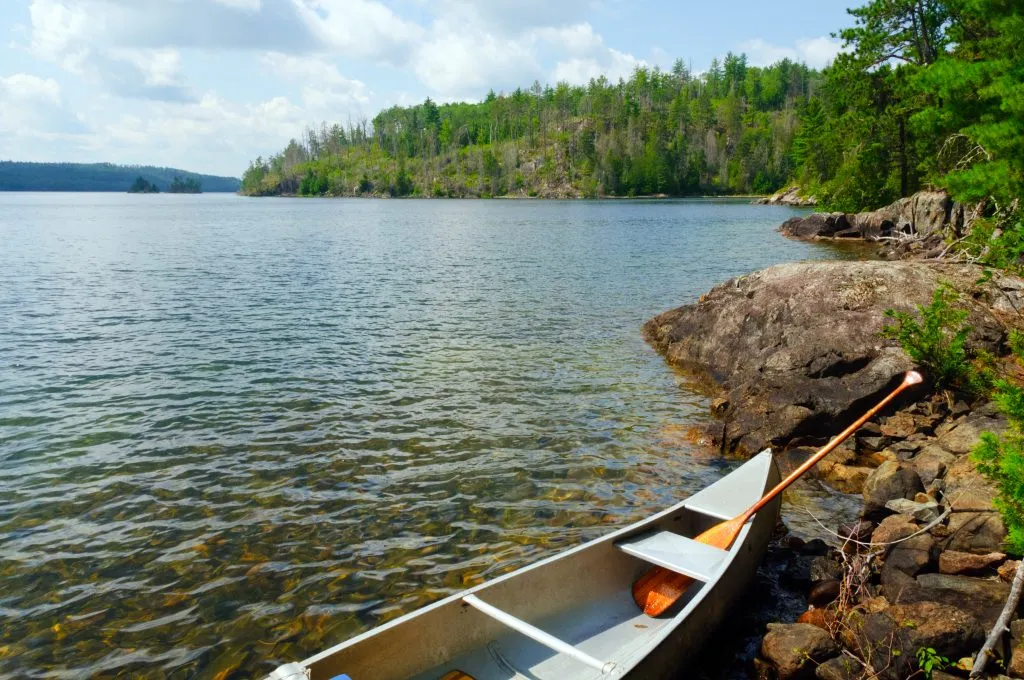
x=1002 y=624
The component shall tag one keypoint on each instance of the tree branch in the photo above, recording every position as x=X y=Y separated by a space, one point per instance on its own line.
x=1002 y=624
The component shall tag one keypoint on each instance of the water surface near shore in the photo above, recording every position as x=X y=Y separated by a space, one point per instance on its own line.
x=234 y=431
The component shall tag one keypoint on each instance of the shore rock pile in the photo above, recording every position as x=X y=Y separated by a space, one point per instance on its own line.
x=798 y=354
x=934 y=575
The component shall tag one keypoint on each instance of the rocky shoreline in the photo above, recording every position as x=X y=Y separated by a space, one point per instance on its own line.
x=797 y=353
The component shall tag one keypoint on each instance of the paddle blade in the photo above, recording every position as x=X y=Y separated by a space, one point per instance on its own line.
x=659 y=588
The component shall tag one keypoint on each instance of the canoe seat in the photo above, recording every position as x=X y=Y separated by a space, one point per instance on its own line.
x=676 y=553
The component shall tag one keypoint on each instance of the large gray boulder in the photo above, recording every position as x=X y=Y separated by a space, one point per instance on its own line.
x=798 y=347
x=816 y=225
x=925 y=214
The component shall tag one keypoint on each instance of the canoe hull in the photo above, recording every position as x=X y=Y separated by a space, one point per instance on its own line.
x=581 y=596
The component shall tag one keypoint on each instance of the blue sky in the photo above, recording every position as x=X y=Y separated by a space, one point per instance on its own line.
x=207 y=85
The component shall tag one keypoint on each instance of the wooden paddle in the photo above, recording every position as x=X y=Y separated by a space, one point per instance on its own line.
x=659 y=588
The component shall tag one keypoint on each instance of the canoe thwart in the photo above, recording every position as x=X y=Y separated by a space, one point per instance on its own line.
x=537 y=635
x=676 y=553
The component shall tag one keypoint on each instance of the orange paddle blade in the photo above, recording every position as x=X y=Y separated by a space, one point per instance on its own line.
x=659 y=588
x=456 y=675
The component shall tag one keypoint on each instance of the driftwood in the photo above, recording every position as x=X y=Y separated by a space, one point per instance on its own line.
x=1002 y=624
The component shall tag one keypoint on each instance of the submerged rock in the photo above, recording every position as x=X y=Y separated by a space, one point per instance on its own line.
x=798 y=347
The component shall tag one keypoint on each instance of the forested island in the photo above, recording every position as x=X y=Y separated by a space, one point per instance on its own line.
x=729 y=130
x=189 y=185
x=15 y=176
x=927 y=93
x=142 y=186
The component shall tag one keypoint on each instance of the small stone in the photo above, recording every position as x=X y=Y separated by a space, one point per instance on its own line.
x=905 y=450
x=899 y=426
x=872 y=443
x=962 y=438
x=795 y=648
x=956 y=562
x=981 y=598
x=967 y=489
x=889 y=480
x=976 y=532
x=847 y=478
x=893 y=528
x=825 y=568
x=922 y=512
x=823 y=592
x=794 y=543
x=839 y=668
x=1016 y=667
x=1007 y=570
x=911 y=556
x=719 y=406
x=816 y=616
x=931 y=462
x=923 y=498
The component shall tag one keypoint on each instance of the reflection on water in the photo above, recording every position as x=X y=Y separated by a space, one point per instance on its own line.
x=234 y=431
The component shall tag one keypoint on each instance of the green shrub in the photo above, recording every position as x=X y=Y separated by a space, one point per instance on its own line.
x=1001 y=458
x=937 y=341
x=928 y=660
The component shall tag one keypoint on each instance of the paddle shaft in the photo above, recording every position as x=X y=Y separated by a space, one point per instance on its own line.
x=659 y=588
x=911 y=378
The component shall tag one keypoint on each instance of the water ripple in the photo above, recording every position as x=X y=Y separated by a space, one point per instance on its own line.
x=233 y=432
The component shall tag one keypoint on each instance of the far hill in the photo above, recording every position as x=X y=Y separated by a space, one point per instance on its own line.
x=16 y=176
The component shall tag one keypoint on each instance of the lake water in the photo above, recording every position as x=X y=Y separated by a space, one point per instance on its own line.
x=234 y=431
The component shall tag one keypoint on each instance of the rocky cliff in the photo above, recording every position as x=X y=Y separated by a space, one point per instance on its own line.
x=797 y=348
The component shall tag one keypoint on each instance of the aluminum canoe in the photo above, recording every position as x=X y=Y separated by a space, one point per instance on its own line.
x=572 y=616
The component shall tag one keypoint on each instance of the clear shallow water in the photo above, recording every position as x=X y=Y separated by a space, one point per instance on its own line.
x=234 y=431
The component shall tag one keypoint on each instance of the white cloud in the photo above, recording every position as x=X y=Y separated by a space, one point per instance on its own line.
x=361 y=28
x=326 y=93
x=32 y=107
x=815 y=52
x=514 y=17
x=466 y=60
x=614 y=65
x=146 y=101
x=455 y=61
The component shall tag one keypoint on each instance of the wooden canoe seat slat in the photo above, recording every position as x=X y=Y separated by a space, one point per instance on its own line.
x=676 y=553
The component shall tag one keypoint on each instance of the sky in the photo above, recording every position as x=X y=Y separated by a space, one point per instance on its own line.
x=208 y=85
